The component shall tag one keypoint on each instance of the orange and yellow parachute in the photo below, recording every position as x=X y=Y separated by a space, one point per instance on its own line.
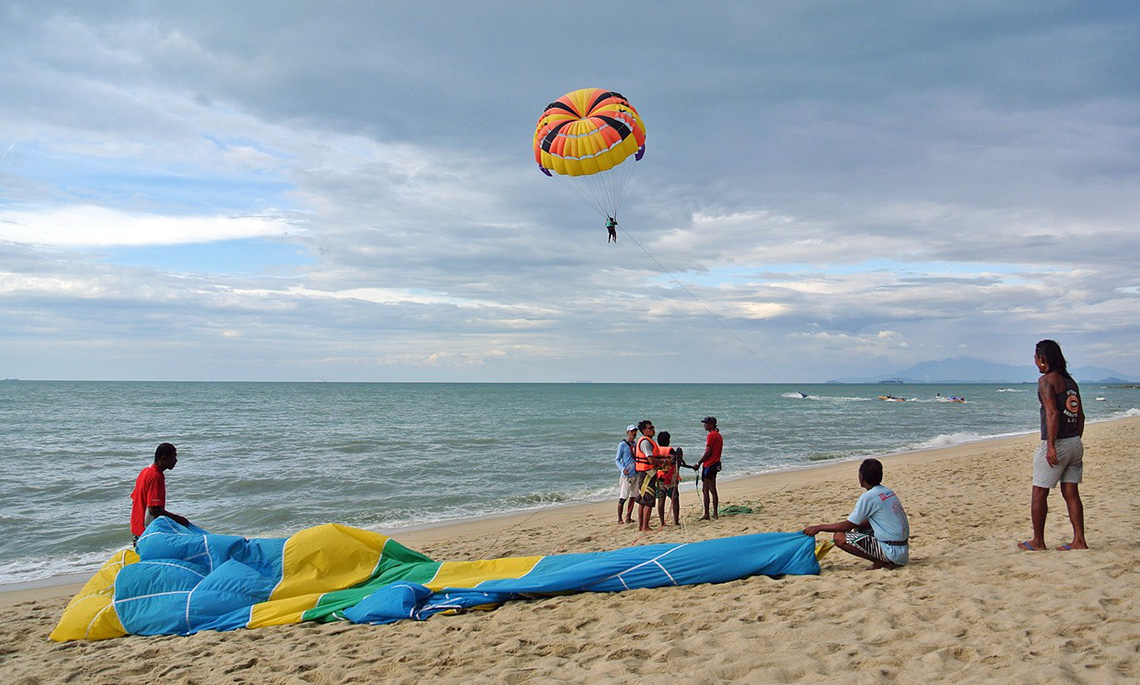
x=591 y=138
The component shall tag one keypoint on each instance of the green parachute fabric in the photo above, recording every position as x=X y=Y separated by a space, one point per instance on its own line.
x=183 y=579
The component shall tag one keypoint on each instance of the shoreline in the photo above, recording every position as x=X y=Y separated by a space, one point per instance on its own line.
x=427 y=533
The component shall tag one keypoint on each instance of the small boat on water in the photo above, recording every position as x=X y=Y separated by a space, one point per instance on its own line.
x=1100 y=398
x=892 y=398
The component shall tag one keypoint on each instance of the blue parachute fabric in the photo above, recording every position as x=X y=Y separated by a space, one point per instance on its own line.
x=661 y=565
x=188 y=580
x=391 y=603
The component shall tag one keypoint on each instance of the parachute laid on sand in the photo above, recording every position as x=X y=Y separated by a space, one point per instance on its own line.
x=590 y=139
x=183 y=580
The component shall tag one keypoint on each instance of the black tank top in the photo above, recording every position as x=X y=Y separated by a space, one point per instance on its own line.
x=1069 y=408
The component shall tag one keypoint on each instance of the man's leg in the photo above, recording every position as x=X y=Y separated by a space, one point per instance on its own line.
x=661 y=510
x=1071 y=493
x=621 y=505
x=629 y=511
x=705 y=498
x=715 y=496
x=840 y=540
x=1038 y=509
x=677 y=506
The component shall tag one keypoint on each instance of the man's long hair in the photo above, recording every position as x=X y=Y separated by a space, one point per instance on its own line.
x=1050 y=351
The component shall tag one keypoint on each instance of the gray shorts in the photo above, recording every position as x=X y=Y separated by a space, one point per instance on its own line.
x=625 y=486
x=1070 y=463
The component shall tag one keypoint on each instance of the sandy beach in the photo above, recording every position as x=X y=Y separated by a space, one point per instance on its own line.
x=969 y=606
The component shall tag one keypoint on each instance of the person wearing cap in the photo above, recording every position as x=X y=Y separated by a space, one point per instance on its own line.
x=709 y=466
x=624 y=461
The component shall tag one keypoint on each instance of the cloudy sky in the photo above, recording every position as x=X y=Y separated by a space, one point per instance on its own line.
x=346 y=190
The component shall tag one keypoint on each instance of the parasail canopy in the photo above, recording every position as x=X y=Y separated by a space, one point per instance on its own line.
x=591 y=138
x=183 y=579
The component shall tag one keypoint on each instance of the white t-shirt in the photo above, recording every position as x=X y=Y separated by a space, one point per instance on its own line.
x=881 y=507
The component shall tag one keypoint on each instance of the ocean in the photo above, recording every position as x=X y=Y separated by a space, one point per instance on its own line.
x=267 y=459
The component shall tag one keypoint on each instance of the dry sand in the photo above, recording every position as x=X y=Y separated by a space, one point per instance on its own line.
x=970 y=607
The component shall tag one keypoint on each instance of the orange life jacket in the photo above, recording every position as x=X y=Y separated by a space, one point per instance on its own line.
x=642 y=460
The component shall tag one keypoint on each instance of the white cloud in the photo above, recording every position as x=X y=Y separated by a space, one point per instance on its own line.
x=94 y=226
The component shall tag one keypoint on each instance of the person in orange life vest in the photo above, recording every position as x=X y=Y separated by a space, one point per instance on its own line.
x=709 y=466
x=149 y=496
x=669 y=478
x=646 y=463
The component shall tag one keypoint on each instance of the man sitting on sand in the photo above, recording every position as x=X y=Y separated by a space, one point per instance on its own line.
x=877 y=530
x=149 y=496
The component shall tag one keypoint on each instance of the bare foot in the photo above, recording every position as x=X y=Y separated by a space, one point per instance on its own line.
x=883 y=564
x=704 y=518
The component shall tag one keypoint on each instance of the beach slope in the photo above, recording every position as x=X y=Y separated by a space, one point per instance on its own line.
x=970 y=606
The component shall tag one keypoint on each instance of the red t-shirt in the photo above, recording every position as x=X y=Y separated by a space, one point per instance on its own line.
x=713 y=445
x=150 y=491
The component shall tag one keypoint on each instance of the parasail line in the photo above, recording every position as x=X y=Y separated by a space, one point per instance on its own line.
x=703 y=305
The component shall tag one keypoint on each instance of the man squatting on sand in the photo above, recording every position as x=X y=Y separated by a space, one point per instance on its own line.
x=149 y=496
x=877 y=530
x=1060 y=456
x=624 y=461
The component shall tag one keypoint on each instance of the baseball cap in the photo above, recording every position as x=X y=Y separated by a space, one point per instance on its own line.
x=709 y=419
x=631 y=427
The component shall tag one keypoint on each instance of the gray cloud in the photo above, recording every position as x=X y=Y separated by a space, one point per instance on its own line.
x=840 y=188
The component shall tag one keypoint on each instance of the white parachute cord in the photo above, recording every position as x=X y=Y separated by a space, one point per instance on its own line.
x=704 y=306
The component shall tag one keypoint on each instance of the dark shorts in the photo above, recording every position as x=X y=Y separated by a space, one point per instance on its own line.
x=646 y=487
x=665 y=492
x=709 y=472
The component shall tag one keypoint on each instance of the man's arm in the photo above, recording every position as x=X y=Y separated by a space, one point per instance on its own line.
x=161 y=511
x=841 y=527
x=1047 y=393
x=706 y=455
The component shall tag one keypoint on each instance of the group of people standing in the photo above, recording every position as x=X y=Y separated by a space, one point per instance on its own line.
x=650 y=473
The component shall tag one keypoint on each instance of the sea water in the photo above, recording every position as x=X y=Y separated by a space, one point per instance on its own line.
x=267 y=459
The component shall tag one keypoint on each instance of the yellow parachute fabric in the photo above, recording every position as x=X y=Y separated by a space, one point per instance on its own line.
x=589 y=139
x=90 y=614
x=586 y=132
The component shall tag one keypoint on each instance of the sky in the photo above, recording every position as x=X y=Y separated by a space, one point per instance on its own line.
x=346 y=191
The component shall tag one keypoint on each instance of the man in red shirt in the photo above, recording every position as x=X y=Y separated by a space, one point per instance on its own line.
x=709 y=466
x=149 y=496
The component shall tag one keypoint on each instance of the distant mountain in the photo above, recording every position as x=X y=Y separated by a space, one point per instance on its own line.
x=964 y=370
